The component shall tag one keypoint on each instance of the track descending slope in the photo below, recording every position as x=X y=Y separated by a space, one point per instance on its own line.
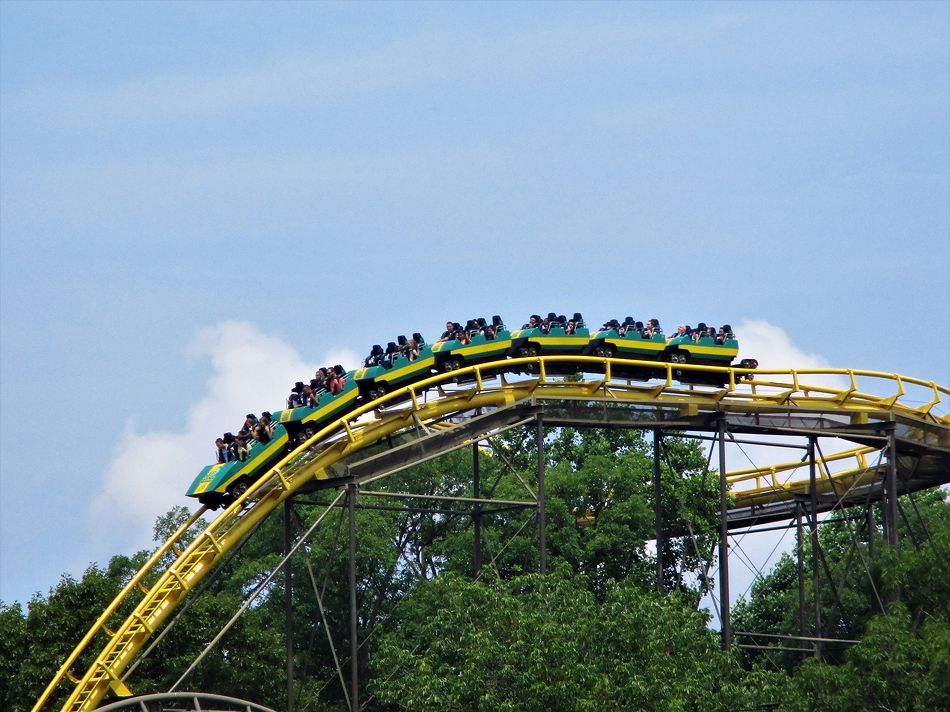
x=449 y=409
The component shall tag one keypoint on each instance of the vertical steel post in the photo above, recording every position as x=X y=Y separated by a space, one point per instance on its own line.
x=354 y=644
x=543 y=545
x=871 y=527
x=658 y=510
x=890 y=501
x=890 y=490
x=288 y=606
x=813 y=530
x=723 y=540
x=800 y=556
x=476 y=510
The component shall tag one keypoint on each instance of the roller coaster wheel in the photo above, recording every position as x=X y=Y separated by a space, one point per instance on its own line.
x=609 y=351
x=379 y=391
x=236 y=489
x=451 y=364
x=305 y=434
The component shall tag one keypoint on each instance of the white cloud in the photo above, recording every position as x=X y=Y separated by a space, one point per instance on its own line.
x=773 y=349
x=150 y=471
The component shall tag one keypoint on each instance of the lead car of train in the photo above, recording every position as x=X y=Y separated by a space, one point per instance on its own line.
x=408 y=361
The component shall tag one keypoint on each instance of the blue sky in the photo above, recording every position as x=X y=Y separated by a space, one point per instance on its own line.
x=198 y=201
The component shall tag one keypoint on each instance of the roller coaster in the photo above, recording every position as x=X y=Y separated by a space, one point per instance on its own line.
x=898 y=428
x=406 y=362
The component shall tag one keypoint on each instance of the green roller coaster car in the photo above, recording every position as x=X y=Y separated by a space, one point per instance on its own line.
x=632 y=344
x=683 y=349
x=302 y=423
x=560 y=337
x=222 y=483
x=385 y=371
x=485 y=343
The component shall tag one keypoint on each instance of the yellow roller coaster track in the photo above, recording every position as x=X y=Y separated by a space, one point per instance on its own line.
x=780 y=400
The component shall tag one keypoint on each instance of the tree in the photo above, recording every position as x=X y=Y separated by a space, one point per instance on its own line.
x=55 y=624
x=546 y=643
x=901 y=660
x=14 y=648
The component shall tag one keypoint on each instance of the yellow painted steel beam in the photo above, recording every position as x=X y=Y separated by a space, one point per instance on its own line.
x=745 y=391
x=769 y=488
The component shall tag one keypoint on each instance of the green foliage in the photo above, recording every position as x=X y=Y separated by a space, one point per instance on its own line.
x=546 y=643
x=55 y=624
x=892 y=669
x=14 y=647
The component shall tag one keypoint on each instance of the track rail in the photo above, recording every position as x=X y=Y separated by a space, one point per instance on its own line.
x=780 y=399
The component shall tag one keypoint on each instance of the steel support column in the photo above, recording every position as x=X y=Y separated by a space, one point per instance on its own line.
x=658 y=510
x=289 y=604
x=890 y=490
x=890 y=502
x=354 y=644
x=813 y=531
x=723 y=540
x=542 y=533
x=476 y=511
x=800 y=558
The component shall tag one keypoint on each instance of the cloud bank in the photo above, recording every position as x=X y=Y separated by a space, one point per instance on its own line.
x=150 y=470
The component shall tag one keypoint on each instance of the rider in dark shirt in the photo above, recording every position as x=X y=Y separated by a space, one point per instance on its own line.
x=220 y=451
x=449 y=332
